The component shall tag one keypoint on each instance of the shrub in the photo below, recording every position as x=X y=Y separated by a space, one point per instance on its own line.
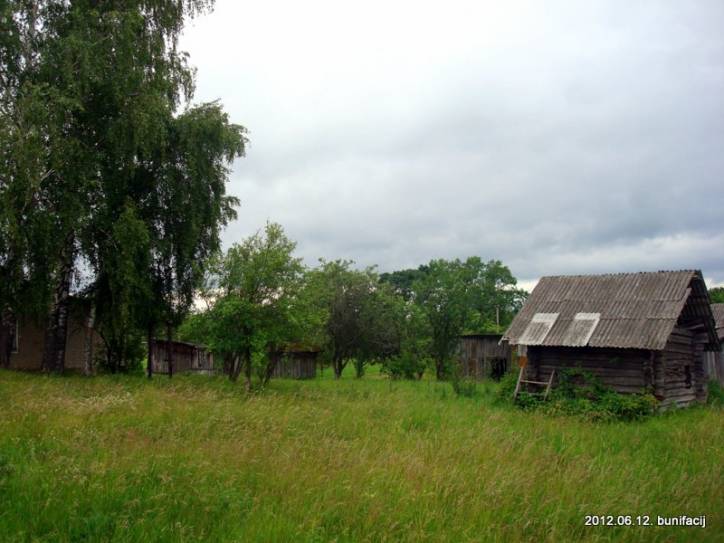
x=406 y=365
x=716 y=394
x=464 y=387
x=580 y=393
x=507 y=387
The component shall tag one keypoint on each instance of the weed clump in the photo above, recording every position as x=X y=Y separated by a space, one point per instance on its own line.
x=580 y=393
x=716 y=394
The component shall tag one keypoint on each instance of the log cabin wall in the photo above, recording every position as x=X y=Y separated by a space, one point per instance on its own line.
x=681 y=378
x=620 y=369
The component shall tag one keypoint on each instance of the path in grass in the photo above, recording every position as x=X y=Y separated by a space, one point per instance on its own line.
x=122 y=459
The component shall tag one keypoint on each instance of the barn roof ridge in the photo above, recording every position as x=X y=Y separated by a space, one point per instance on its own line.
x=616 y=274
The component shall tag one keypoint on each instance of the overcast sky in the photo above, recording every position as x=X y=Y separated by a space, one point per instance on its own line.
x=558 y=137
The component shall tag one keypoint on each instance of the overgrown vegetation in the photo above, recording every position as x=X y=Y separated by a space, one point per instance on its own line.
x=124 y=459
x=716 y=394
x=580 y=393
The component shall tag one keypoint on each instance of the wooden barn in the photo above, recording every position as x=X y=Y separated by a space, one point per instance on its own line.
x=714 y=361
x=483 y=356
x=636 y=331
x=297 y=362
x=186 y=357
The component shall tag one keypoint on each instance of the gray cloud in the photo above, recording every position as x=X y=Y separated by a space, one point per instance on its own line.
x=558 y=137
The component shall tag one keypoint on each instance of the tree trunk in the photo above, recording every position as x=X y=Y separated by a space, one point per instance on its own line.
x=149 y=365
x=56 y=334
x=440 y=370
x=7 y=333
x=338 y=367
x=274 y=358
x=88 y=347
x=235 y=369
x=228 y=364
x=169 y=351
x=247 y=369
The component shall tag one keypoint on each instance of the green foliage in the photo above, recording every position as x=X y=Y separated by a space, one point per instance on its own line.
x=716 y=393
x=580 y=393
x=444 y=300
x=406 y=365
x=507 y=387
x=256 y=310
x=716 y=295
x=100 y=172
x=577 y=383
x=402 y=281
x=493 y=297
x=465 y=387
x=360 y=319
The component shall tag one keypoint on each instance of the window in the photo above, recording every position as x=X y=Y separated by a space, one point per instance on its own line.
x=538 y=328
x=581 y=329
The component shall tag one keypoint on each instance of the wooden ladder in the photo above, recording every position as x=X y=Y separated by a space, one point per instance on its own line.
x=548 y=384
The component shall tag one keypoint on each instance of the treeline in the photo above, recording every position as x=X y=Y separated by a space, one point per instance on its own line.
x=110 y=187
x=259 y=298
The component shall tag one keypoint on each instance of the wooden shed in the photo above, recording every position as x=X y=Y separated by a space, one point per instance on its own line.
x=297 y=362
x=483 y=356
x=636 y=331
x=28 y=340
x=186 y=357
x=714 y=361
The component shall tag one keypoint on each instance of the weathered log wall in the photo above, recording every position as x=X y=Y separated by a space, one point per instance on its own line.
x=620 y=369
x=676 y=375
x=682 y=377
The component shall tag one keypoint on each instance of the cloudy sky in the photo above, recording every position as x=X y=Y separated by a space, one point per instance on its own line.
x=558 y=137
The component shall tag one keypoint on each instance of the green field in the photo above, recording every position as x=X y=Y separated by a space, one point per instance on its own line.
x=194 y=458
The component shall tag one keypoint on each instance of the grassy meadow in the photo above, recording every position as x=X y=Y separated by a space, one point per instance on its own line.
x=194 y=458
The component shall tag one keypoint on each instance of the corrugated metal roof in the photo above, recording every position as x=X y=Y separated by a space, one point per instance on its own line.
x=637 y=310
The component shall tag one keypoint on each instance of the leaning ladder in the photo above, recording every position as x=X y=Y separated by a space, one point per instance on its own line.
x=548 y=384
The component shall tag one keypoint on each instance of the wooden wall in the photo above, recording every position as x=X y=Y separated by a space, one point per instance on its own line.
x=186 y=357
x=620 y=369
x=679 y=371
x=31 y=342
x=297 y=365
x=478 y=355
x=714 y=365
x=676 y=375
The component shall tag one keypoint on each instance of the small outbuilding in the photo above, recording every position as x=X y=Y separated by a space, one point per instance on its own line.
x=483 y=356
x=82 y=340
x=714 y=361
x=186 y=357
x=296 y=362
x=636 y=332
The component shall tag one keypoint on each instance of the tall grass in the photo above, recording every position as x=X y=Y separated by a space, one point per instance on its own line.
x=194 y=458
